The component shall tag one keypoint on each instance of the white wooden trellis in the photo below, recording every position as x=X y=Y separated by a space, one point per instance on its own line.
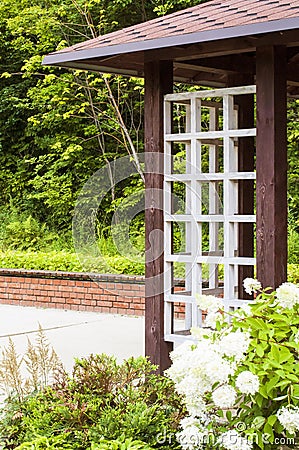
x=218 y=211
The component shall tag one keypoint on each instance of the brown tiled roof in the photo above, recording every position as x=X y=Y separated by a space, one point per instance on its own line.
x=214 y=20
x=209 y=16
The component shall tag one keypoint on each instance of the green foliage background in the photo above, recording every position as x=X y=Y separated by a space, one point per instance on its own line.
x=57 y=127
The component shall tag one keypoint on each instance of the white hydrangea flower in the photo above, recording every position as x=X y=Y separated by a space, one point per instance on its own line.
x=289 y=418
x=183 y=360
x=287 y=295
x=235 y=344
x=247 y=382
x=181 y=350
x=209 y=303
x=196 y=407
x=189 y=422
x=191 y=387
x=192 y=364
x=224 y=396
x=212 y=318
x=232 y=440
x=199 y=332
x=192 y=435
x=218 y=370
x=251 y=285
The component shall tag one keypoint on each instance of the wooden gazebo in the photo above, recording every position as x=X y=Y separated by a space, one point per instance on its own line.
x=237 y=47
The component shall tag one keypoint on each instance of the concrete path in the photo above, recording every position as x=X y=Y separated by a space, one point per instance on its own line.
x=72 y=333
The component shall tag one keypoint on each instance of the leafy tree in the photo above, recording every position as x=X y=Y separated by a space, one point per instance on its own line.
x=57 y=126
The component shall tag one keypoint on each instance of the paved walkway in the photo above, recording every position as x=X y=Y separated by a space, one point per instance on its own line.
x=73 y=333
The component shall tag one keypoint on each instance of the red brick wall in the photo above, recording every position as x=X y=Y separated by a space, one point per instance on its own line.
x=117 y=294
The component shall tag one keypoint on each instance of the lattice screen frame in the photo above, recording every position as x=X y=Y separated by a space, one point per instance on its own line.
x=193 y=218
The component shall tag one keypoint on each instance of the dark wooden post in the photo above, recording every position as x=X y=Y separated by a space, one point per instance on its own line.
x=271 y=165
x=158 y=82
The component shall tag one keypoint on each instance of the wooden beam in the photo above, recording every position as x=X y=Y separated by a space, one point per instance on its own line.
x=232 y=46
x=229 y=64
x=158 y=81
x=197 y=51
x=193 y=74
x=293 y=74
x=201 y=78
x=246 y=153
x=216 y=82
x=293 y=91
x=203 y=66
x=233 y=65
x=293 y=54
x=271 y=166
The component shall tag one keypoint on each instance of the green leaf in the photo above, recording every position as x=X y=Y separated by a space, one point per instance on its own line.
x=263 y=391
x=292 y=377
x=285 y=355
x=268 y=430
x=274 y=353
x=259 y=350
x=271 y=420
x=258 y=422
x=228 y=416
x=271 y=384
x=257 y=324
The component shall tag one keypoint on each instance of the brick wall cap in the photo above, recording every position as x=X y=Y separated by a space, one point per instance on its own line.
x=84 y=276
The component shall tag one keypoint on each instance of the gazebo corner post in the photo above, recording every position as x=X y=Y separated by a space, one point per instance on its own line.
x=271 y=165
x=158 y=76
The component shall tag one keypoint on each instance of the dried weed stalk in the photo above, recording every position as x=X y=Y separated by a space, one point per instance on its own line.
x=20 y=376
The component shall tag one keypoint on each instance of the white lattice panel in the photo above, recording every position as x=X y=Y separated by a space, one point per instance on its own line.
x=201 y=201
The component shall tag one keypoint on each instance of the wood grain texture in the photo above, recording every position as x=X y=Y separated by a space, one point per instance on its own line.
x=158 y=81
x=271 y=162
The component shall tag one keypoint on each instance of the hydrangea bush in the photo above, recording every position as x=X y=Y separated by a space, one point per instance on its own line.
x=239 y=377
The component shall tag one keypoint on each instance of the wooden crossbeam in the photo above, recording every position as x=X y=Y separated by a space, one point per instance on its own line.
x=229 y=64
x=233 y=46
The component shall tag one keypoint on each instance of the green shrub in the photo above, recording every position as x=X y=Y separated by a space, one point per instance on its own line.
x=125 y=266
x=69 y=262
x=120 y=444
x=42 y=442
x=100 y=402
x=60 y=442
x=293 y=273
x=63 y=261
x=22 y=232
x=293 y=246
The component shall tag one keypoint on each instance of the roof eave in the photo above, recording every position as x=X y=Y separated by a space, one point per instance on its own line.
x=99 y=68
x=72 y=58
